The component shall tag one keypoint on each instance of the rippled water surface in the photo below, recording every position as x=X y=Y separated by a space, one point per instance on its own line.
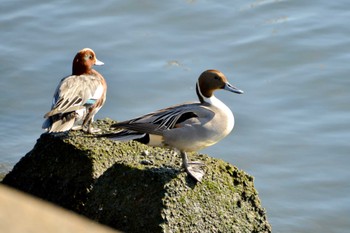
x=291 y=58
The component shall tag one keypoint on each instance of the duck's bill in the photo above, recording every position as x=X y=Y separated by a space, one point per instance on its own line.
x=229 y=87
x=99 y=63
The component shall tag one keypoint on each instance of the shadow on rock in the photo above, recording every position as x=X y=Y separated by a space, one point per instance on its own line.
x=55 y=171
x=129 y=199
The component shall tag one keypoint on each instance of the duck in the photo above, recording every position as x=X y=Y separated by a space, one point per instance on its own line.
x=78 y=97
x=187 y=127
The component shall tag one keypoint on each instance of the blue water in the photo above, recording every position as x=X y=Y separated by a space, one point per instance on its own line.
x=290 y=57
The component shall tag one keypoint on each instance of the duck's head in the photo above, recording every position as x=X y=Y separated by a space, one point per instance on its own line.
x=212 y=80
x=84 y=61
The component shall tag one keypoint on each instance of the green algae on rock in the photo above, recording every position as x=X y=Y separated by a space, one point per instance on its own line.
x=136 y=188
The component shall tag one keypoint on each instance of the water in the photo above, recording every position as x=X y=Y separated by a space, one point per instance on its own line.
x=290 y=57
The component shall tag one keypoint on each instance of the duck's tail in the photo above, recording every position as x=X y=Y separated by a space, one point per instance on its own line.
x=123 y=136
x=59 y=123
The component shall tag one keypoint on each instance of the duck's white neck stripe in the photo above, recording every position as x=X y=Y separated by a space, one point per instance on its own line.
x=211 y=100
x=201 y=97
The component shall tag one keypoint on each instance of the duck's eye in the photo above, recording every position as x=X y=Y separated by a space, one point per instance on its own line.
x=216 y=78
x=90 y=57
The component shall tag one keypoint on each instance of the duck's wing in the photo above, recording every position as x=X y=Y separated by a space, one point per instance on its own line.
x=164 y=119
x=75 y=93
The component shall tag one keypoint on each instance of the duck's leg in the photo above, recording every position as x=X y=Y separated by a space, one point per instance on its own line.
x=88 y=121
x=92 y=130
x=192 y=168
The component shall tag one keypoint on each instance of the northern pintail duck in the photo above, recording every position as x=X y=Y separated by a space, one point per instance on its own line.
x=78 y=97
x=185 y=127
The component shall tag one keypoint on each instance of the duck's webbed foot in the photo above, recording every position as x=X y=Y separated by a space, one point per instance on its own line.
x=92 y=130
x=193 y=168
x=89 y=129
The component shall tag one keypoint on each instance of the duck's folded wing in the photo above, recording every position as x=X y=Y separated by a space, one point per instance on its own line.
x=157 y=122
x=74 y=93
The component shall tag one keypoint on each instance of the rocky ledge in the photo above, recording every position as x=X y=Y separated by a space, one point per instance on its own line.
x=135 y=188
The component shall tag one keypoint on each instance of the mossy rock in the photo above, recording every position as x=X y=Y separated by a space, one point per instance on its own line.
x=136 y=188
